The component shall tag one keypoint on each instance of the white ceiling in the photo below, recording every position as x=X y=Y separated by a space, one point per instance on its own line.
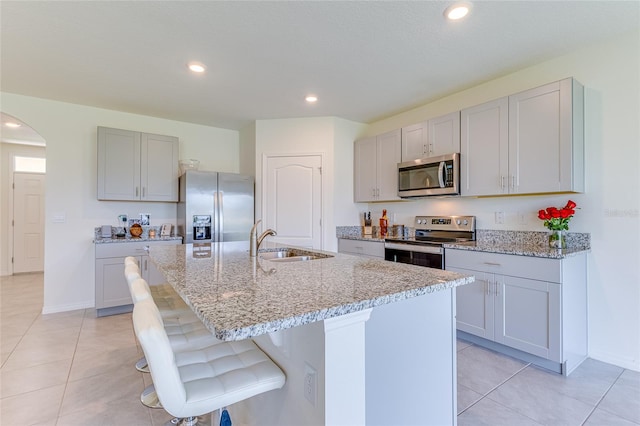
x=365 y=60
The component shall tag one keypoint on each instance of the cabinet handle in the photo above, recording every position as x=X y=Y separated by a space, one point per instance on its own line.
x=143 y=191
x=513 y=181
x=145 y=265
x=430 y=148
x=373 y=192
x=137 y=191
x=424 y=149
x=502 y=182
x=486 y=287
x=497 y=288
x=492 y=264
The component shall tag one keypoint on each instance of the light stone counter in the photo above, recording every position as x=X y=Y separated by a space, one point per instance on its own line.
x=239 y=297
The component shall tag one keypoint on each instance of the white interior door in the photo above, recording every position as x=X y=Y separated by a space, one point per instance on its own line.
x=292 y=199
x=28 y=217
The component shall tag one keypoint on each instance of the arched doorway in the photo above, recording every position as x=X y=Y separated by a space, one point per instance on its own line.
x=23 y=156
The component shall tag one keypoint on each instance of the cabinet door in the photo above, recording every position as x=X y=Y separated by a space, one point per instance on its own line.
x=414 y=142
x=389 y=154
x=475 y=304
x=484 y=150
x=111 y=286
x=159 y=168
x=535 y=145
x=365 y=174
x=150 y=273
x=118 y=164
x=444 y=134
x=527 y=316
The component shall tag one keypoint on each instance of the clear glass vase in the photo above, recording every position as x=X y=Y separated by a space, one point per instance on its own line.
x=557 y=240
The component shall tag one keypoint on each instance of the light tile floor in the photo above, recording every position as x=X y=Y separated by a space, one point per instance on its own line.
x=75 y=369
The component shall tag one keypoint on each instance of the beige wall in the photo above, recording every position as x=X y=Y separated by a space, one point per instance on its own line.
x=70 y=133
x=610 y=207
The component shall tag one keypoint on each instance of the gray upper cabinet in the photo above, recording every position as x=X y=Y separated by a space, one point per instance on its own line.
x=134 y=166
x=484 y=150
x=438 y=136
x=527 y=143
x=376 y=167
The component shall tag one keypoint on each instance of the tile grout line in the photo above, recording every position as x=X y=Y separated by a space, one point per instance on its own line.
x=66 y=383
x=496 y=387
x=602 y=397
x=21 y=337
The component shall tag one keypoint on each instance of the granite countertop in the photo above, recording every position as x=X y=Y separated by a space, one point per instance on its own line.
x=518 y=249
x=519 y=243
x=239 y=297
x=130 y=239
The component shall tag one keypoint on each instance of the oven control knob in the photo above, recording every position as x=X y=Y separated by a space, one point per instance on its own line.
x=465 y=222
x=458 y=221
x=419 y=221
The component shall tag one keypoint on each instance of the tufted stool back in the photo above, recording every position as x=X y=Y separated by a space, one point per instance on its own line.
x=149 y=329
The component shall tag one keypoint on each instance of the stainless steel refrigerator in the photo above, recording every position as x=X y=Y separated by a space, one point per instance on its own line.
x=215 y=207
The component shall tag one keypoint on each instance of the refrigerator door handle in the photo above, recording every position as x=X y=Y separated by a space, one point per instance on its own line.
x=219 y=210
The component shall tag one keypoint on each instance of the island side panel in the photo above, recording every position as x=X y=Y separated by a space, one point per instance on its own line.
x=411 y=362
x=291 y=349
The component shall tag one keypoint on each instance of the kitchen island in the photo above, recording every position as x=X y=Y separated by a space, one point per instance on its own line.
x=362 y=341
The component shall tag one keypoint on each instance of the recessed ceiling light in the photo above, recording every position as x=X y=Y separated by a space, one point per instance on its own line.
x=311 y=98
x=457 y=11
x=12 y=124
x=196 y=67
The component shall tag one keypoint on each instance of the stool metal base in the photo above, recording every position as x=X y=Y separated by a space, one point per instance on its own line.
x=204 y=420
x=149 y=397
x=142 y=365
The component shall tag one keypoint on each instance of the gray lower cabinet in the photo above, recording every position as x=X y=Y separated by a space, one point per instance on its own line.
x=361 y=248
x=111 y=289
x=537 y=306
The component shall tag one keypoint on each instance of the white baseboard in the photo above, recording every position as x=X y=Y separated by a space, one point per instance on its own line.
x=65 y=308
x=609 y=358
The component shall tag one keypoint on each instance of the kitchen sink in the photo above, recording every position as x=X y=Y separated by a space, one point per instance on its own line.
x=291 y=255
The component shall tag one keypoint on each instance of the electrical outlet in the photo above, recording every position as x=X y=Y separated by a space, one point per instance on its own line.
x=310 y=383
x=522 y=218
x=500 y=218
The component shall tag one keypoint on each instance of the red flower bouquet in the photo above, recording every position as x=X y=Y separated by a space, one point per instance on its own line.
x=558 y=219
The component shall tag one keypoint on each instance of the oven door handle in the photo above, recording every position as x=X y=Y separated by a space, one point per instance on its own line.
x=414 y=248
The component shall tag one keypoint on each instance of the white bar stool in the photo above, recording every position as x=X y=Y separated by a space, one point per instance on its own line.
x=191 y=383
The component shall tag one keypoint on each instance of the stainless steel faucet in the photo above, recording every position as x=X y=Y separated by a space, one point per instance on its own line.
x=255 y=240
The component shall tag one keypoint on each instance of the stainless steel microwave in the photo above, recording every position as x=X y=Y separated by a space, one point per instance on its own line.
x=429 y=176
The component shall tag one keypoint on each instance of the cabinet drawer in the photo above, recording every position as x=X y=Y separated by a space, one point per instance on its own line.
x=364 y=248
x=535 y=268
x=128 y=249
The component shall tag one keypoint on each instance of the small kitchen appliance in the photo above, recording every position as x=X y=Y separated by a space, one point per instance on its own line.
x=431 y=233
